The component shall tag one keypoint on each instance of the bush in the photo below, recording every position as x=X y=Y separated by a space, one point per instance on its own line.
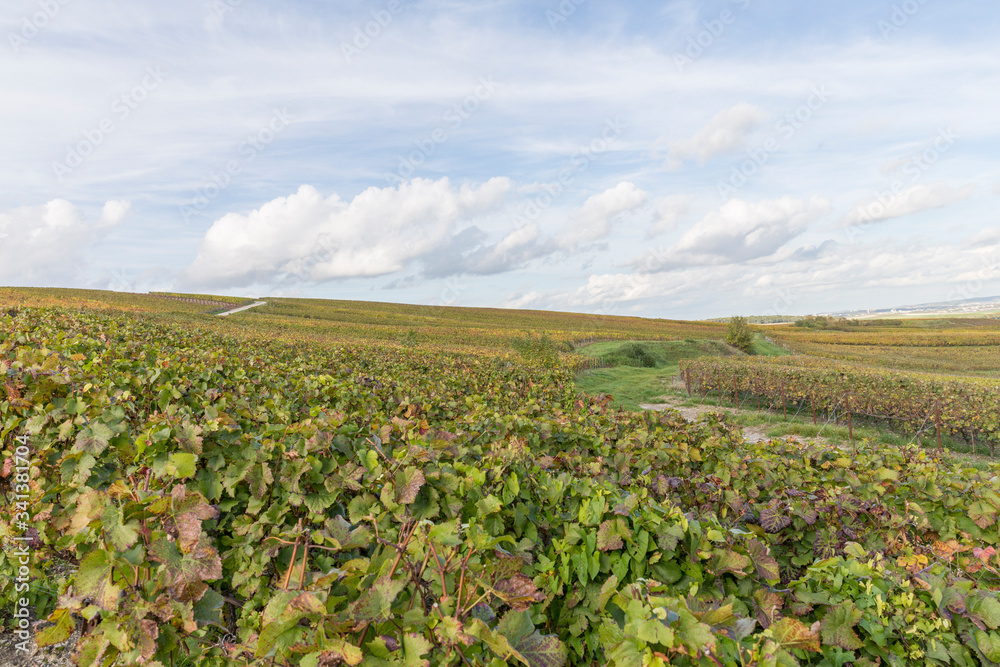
x=630 y=354
x=739 y=335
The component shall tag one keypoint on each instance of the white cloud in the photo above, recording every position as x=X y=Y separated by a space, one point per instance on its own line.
x=738 y=231
x=113 y=213
x=669 y=212
x=50 y=244
x=913 y=200
x=726 y=132
x=595 y=219
x=312 y=238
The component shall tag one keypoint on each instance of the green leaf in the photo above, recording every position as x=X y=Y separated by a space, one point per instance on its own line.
x=988 y=644
x=375 y=603
x=985 y=608
x=182 y=465
x=59 y=631
x=537 y=650
x=837 y=625
x=414 y=648
x=93 y=438
x=94 y=580
x=120 y=534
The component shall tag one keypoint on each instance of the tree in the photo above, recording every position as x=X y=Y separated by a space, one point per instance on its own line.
x=739 y=334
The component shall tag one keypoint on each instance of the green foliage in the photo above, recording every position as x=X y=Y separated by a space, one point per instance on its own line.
x=630 y=354
x=541 y=349
x=211 y=500
x=739 y=335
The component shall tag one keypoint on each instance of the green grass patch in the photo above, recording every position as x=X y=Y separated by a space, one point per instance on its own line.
x=766 y=348
x=628 y=385
x=639 y=371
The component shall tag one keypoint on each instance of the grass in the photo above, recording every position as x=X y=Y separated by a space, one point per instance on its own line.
x=640 y=371
x=766 y=348
x=777 y=425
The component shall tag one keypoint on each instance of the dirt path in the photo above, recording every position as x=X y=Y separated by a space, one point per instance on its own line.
x=694 y=412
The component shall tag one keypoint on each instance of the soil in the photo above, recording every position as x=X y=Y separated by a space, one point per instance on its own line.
x=693 y=413
x=59 y=655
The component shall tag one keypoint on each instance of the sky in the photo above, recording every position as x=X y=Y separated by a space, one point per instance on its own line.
x=672 y=159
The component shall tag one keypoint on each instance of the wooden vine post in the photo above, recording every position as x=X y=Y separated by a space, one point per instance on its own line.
x=850 y=424
x=784 y=406
x=937 y=420
x=687 y=381
x=812 y=404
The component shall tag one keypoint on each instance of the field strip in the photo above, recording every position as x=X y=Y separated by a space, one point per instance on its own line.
x=242 y=308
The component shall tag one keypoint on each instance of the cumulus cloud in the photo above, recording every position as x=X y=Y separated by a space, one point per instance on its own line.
x=669 y=212
x=50 y=244
x=726 y=132
x=797 y=284
x=913 y=200
x=469 y=252
x=739 y=231
x=311 y=238
x=595 y=219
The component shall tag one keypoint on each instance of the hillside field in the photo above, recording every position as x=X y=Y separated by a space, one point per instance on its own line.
x=328 y=483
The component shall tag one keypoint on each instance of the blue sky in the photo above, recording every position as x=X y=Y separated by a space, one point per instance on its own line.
x=664 y=159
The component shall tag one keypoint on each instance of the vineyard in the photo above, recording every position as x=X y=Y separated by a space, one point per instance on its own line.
x=254 y=491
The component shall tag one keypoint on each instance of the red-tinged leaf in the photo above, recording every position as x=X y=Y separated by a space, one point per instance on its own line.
x=536 y=649
x=408 y=484
x=774 y=520
x=519 y=591
x=376 y=603
x=148 y=632
x=94 y=580
x=837 y=626
x=794 y=634
x=984 y=554
x=611 y=535
x=766 y=565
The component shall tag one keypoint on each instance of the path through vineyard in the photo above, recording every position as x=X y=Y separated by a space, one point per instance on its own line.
x=694 y=412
